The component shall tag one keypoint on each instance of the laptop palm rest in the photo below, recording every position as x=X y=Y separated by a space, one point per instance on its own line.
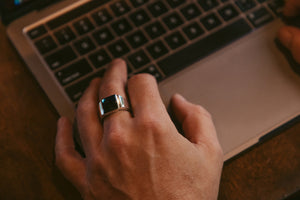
x=248 y=87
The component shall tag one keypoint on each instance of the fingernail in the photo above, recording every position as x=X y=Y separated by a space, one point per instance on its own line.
x=179 y=97
x=285 y=37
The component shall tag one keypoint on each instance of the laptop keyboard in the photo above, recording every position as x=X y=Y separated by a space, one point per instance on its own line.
x=160 y=37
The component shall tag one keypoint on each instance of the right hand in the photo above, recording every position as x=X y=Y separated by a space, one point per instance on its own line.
x=289 y=36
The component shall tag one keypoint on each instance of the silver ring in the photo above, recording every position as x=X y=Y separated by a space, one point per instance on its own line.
x=112 y=104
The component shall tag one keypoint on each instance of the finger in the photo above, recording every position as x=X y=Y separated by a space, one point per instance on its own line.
x=290 y=37
x=291 y=8
x=144 y=97
x=68 y=159
x=114 y=82
x=196 y=122
x=87 y=116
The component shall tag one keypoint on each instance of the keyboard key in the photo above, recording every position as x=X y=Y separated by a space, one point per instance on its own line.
x=76 y=91
x=121 y=26
x=103 y=36
x=137 y=39
x=277 y=6
x=173 y=20
x=118 y=48
x=84 y=45
x=211 y=21
x=260 y=17
x=190 y=11
x=175 y=40
x=45 y=44
x=64 y=35
x=155 y=30
x=228 y=12
x=158 y=8
x=208 y=4
x=139 y=18
x=195 y=52
x=157 y=49
x=193 y=31
x=120 y=8
x=61 y=57
x=77 y=12
x=102 y=17
x=37 y=32
x=139 y=59
x=245 y=5
x=100 y=58
x=83 y=26
x=137 y=3
x=176 y=3
x=153 y=71
x=73 y=72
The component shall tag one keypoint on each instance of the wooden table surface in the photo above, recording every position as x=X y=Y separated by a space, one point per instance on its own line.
x=268 y=171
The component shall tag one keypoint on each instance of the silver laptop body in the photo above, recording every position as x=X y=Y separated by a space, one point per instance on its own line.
x=248 y=86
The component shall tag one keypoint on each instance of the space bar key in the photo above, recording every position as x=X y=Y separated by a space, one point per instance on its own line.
x=203 y=47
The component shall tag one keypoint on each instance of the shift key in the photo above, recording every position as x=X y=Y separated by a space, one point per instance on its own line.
x=73 y=72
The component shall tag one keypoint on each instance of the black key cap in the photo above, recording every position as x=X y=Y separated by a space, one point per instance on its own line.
x=245 y=5
x=84 y=45
x=100 y=58
x=61 y=57
x=101 y=17
x=137 y=3
x=155 y=30
x=211 y=21
x=195 y=52
x=137 y=39
x=176 y=3
x=76 y=91
x=64 y=35
x=175 y=40
x=190 y=11
x=83 y=26
x=73 y=72
x=208 y=4
x=153 y=71
x=157 y=49
x=228 y=12
x=121 y=26
x=173 y=21
x=77 y=12
x=260 y=17
x=37 y=32
x=158 y=8
x=45 y=44
x=193 y=31
x=139 y=17
x=103 y=36
x=118 y=48
x=139 y=59
x=120 y=8
x=277 y=6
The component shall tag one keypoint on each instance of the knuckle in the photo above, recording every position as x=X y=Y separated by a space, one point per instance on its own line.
x=201 y=111
x=151 y=124
x=142 y=77
x=116 y=137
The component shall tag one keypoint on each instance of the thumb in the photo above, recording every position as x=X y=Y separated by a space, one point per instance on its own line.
x=196 y=122
x=290 y=37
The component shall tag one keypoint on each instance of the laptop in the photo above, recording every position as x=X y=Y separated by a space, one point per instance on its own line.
x=220 y=54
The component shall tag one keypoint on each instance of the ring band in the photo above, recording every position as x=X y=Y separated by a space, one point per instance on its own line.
x=112 y=104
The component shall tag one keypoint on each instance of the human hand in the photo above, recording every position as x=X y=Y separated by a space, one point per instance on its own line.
x=140 y=155
x=289 y=36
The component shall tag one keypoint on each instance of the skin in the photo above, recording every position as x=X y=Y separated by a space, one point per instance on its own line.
x=141 y=155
